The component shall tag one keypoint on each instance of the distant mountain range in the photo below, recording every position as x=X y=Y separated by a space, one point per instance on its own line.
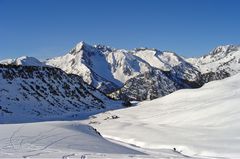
x=141 y=73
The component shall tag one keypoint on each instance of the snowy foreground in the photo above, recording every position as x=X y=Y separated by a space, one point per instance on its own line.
x=198 y=122
x=69 y=139
x=201 y=123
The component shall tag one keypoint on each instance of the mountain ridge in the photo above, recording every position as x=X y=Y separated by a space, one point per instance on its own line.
x=110 y=70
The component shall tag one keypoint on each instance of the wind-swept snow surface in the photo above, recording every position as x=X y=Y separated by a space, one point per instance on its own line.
x=69 y=139
x=200 y=122
x=54 y=139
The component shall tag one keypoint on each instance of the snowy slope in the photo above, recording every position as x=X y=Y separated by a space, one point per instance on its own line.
x=56 y=139
x=69 y=139
x=30 y=93
x=197 y=122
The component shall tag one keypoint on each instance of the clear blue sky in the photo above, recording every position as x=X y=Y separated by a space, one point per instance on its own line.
x=48 y=28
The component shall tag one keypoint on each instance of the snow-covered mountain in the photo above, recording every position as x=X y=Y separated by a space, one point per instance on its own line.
x=222 y=59
x=109 y=69
x=141 y=73
x=200 y=122
x=168 y=61
x=29 y=93
x=105 y=68
x=24 y=60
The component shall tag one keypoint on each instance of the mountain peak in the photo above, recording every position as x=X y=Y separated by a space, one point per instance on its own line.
x=224 y=49
x=81 y=45
x=104 y=48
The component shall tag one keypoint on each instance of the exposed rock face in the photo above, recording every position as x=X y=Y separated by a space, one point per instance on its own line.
x=212 y=76
x=151 y=85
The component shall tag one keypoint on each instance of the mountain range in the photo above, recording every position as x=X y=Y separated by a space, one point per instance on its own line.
x=141 y=73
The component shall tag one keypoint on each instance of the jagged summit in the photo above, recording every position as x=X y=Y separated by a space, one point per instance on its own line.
x=224 y=49
x=221 y=59
x=104 y=48
x=82 y=46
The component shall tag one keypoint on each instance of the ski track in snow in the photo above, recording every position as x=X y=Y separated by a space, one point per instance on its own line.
x=25 y=141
